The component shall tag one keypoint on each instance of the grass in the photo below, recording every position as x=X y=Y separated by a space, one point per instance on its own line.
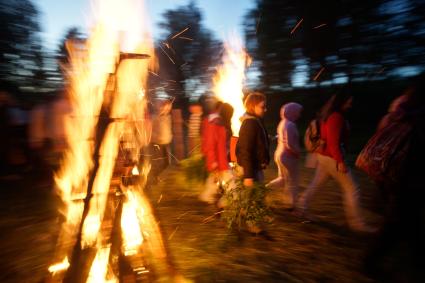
x=294 y=249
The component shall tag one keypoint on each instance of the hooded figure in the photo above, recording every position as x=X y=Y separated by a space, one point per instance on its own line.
x=288 y=150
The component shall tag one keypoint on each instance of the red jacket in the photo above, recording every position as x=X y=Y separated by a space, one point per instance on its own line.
x=334 y=131
x=213 y=136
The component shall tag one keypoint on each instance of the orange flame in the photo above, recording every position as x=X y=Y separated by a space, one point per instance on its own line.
x=63 y=265
x=132 y=237
x=99 y=269
x=230 y=77
x=119 y=26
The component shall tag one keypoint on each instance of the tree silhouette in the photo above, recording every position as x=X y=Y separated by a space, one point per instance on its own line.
x=354 y=40
x=267 y=30
x=187 y=53
x=21 y=63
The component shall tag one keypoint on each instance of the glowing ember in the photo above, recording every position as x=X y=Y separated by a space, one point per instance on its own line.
x=135 y=171
x=99 y=267
x=297 y=25
x=90 y=230
x=61 y=266
x=229 y=79
x=132 y=237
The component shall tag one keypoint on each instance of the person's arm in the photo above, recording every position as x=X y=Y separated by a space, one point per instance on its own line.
x=246 y=144
x=210 y=156
x=208 y=146
x=221 y=138
x=292 y=136
x=335 y=125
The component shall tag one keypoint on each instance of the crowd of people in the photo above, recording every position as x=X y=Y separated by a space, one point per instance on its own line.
x=391 y=158
x=394 y=153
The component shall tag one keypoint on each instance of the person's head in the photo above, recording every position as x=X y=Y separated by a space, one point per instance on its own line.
x=195 y=108
x=226 y=114
x=340 y=102
x=209 y=105
x=226 y=111
x=397 y=104
x=291 y=111
x=255 y=104
x=415 y=93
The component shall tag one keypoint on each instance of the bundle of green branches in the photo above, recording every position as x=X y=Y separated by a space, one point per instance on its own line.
x=194 y=168
x=246 y=205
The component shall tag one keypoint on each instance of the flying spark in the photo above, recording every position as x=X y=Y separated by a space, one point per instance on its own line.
x=186 y=38
x=297 y=25
x=167 y=54
x=319 y=26
x=172 y=234
x=319 y=73
x=180 y=33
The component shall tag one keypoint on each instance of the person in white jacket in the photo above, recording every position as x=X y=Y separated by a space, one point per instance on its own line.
x=287 y=153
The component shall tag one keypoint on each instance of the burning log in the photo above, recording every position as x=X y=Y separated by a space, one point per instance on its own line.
x=105 y=213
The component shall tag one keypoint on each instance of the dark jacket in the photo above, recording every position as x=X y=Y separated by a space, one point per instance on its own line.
x=252 y=148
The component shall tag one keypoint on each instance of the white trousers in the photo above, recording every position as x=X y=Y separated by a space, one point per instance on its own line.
x=288 y=174
x=326 y=168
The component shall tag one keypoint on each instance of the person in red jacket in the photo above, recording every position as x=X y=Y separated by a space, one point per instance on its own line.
x=334 y=131
x=214 y=148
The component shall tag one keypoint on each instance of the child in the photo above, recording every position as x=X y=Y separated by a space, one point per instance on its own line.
x=162 y=137
x=214 y=149
x=194 y=128
x=288 y=150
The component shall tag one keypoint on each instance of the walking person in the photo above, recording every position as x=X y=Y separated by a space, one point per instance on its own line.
x=397 y=253
x=162 y=137
x=252 y=148
x=194 y=128
x=287 y=153
x=334 y=131
x=226 y=113
x=214 y=149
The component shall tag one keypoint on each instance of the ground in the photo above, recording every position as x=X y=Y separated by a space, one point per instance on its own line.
x=201 y=248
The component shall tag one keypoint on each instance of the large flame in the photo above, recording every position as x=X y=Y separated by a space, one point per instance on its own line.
x=131 y=234
x=99 y=269
x=230 y=77
x=119 y=26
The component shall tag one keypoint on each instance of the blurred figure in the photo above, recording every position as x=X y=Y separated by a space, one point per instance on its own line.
x=209 y=104
x=252 y=148
x=397 y=255
x=395 y=111
x=18 y=147
x=288 y=150
x=312 y=142
x=59 y=114
x=215 y=151
x=161 y=137
x=226 y=113
x=194 y=128
x=5 y=130
x=38 y=136
x=37 y=126
x=334 y=132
